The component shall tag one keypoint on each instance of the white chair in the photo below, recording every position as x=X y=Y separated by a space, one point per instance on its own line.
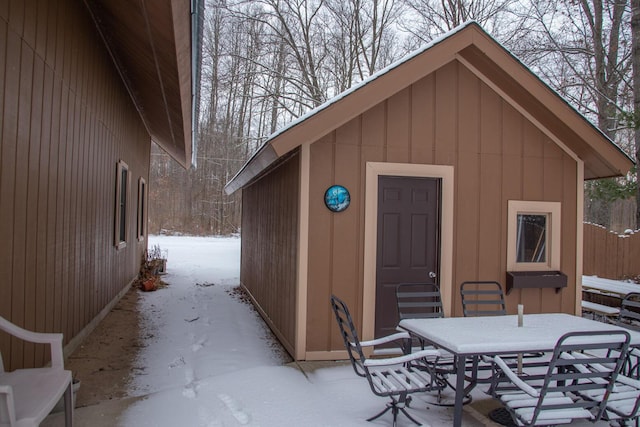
x=27 y=396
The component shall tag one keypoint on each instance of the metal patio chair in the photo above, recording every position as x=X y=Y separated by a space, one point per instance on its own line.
x=27 y=396
x=581 y=371
x=623 y=403
x=419 y=301
x=482 y=298
x=629 y=318
x=486 y=298
x=394 y=377
x=424 y=301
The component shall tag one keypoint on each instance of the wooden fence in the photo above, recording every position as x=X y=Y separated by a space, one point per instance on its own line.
x=611 y=255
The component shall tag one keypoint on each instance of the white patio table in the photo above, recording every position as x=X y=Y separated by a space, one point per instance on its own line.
x=471 y=337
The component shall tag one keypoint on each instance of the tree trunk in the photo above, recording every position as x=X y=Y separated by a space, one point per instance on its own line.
x=635 y=31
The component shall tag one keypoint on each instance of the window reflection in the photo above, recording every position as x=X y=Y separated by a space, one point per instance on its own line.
x=531 y=238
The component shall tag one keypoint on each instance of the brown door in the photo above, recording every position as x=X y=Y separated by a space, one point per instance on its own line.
x=408 y=241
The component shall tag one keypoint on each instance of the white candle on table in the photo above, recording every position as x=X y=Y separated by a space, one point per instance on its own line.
x=520 y=322
x=520 y=314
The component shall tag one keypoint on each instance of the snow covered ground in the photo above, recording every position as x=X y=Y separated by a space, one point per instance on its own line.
x=209 y=360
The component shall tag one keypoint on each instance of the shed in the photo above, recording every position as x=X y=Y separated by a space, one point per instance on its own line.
x=460 y=164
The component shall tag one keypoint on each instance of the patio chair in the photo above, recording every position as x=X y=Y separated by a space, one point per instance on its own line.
x=482 y=298
x=623 y=404
x=28 y=395
x=419 y=301
x=486 y=298
x=393 y=377
x=629 y=318
x=582 y=369
x=424 y=301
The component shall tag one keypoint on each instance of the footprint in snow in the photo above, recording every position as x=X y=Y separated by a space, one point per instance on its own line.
x=234 y=407
x=198 y=345
x=189 y=392
x=179 y=361
x=189 y=375
x=190 y=388
x=208 y=418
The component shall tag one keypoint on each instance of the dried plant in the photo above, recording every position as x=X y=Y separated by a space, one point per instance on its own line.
x=153 y=263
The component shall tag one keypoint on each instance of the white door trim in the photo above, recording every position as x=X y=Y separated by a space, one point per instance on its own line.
x=373 y=171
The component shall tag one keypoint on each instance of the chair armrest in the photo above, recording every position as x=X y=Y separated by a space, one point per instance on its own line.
x=401 y=359
x=389 y=338
x=53 y=339
x=514 y=378
x=7 y=405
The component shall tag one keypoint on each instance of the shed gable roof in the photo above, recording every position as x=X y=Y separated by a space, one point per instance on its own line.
x=487 y=59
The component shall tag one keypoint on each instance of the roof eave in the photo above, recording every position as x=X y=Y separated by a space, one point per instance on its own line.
x=151 y=48
x=260 y=161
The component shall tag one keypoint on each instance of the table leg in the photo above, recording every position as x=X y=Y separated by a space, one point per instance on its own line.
x=460 y=391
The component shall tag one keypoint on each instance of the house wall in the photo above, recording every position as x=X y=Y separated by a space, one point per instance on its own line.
x=269 y=254
x=65 y=121
x=449 y=118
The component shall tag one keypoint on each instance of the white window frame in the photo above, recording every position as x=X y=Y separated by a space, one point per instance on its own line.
x=552 y=210
x=141 y=226
x=119 y=240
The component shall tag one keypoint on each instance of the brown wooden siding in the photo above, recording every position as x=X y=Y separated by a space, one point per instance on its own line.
x=270 y=247
x=448 y=118
x=610 y=255
x=65 y=121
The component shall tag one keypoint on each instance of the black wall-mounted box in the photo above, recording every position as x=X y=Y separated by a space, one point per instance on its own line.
x=536 y=279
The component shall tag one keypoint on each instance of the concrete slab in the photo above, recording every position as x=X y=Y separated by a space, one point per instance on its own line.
x=475 y=414
x=103 y=414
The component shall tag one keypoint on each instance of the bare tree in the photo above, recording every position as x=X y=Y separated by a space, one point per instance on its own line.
x=194 y=201
x=266 y=62
x=428 y=19
x=584 y=51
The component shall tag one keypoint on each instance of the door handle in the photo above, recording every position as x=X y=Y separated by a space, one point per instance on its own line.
x=432 y=275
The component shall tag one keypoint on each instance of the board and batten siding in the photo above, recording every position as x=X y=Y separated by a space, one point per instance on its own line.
x=65 y=122
x=269 y=253
x=451 y=118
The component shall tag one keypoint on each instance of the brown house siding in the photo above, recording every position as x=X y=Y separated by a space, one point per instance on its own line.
x=65 y=121
x=270 y=247
x=447 y=118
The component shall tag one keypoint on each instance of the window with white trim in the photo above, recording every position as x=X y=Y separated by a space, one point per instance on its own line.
x=533 y=242
x=122 y=196
x=142 y=209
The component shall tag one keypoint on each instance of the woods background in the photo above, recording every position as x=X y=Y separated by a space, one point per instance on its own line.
x=267 y=62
